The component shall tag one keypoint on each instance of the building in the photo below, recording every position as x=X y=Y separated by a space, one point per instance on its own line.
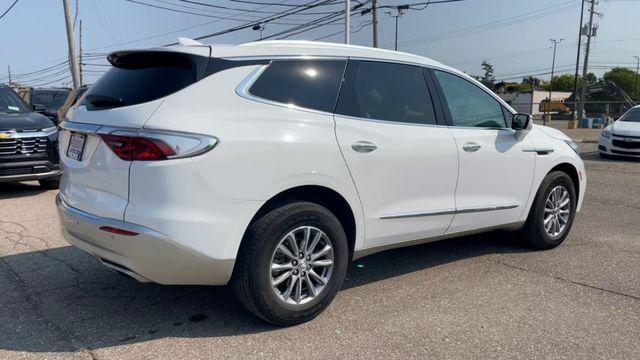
x=529 y=102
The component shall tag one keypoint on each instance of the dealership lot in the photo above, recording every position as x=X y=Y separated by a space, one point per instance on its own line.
x=475 y=297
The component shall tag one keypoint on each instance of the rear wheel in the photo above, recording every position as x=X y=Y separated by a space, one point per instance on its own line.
x=552 y=213
x=50 y=183
x=292 y=264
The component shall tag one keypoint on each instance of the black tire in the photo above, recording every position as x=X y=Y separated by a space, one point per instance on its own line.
x=251 y=280
x=534 y=231
x=50 y=183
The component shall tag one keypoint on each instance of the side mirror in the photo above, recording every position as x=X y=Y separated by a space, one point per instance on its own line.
x=39 y=108
x=521 y=122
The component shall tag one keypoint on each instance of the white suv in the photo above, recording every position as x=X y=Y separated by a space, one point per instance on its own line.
x=271 y=165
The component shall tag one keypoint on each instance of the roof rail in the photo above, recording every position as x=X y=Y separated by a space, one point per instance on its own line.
x=189 y=42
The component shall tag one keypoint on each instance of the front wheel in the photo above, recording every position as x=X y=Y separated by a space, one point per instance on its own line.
x=292 y=263
x=552 y=213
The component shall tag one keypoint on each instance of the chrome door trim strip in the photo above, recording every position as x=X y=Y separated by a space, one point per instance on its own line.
x=465 y=210
x=418 y=214
x=473 y=209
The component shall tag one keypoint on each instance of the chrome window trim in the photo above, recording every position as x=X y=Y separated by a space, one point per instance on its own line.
x=464 y=210
x=243 y=87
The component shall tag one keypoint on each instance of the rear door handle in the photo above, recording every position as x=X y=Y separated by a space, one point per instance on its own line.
x=364 y=146
x=471 y=147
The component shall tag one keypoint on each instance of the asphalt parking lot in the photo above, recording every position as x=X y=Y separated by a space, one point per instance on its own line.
x=475 y=297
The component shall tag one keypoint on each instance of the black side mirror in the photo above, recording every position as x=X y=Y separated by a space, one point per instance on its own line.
x=521 y=121
x=39 y=108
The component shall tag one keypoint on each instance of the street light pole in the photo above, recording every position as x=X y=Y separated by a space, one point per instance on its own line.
x=635 y=91
x=399 y=11
x=553 y=67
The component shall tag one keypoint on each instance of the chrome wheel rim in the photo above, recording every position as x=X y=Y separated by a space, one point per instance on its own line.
x=301 y=265
x=557 y=210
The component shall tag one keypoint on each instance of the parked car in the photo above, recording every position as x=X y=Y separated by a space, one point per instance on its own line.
x=271 y=165
x=47 y=101
x=72 y=99
x=622 y=138
x=28 y=143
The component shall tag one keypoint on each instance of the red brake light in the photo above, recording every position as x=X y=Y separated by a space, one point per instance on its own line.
x=137 y=148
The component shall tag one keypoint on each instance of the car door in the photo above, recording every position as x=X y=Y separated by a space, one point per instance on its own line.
x=403 y=162
x=496 y=168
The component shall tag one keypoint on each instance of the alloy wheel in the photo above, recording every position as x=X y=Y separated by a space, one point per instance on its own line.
x=301 y=265
x=557 y=210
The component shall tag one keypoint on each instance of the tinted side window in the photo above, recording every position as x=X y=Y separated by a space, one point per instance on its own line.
x=312 y=84
x=468 y=104
x=386 y=91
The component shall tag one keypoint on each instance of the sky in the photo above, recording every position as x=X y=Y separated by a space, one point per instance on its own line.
x=513 y=35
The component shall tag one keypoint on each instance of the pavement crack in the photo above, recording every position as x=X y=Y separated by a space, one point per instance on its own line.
x=564 y=279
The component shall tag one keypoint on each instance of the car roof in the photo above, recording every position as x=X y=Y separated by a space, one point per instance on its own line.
x=279 y=48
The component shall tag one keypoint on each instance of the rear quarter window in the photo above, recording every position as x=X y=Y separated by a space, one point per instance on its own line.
x=312 y=84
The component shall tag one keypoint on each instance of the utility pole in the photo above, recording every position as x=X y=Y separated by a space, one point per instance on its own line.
x=73 y=61
x=9 y=71
x=347 y=21
x=80 y=51
x=575 y=76
x=553 y=67
x=635 y=90
x=585 y=68
x=374 y=22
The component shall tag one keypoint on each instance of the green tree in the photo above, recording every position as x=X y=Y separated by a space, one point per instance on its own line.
x=488 y=79
x=530 y=83
x=624 y=78
x=562 y=82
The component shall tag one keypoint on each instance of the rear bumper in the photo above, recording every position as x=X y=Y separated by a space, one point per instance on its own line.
x=147 y=256
x=28 y=170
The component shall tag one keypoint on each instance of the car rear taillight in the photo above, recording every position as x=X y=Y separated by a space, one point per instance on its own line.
x=138 y=148
x=148 y=145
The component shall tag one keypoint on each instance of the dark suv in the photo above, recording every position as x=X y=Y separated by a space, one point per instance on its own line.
x=28 y=143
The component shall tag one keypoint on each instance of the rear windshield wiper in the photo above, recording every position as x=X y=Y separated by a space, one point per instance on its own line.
x=104 y=101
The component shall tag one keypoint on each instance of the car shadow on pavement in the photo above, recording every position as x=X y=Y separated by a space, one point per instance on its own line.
x=18 y=190
x=62 y=300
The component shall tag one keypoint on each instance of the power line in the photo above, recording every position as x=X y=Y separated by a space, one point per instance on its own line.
x=303 y=7
x=9 y=9
x=512 y=20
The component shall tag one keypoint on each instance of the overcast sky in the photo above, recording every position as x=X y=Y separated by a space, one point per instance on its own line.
x=513 y=35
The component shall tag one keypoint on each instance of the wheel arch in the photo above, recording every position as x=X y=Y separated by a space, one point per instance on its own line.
x=570 y=170
x=321 y=195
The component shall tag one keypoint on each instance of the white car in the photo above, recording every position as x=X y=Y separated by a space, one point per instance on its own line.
x=271 y=165
x=622 y=138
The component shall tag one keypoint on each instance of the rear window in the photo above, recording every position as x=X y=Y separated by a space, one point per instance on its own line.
x=137 y=78
x=52 y=100
x=311 y=84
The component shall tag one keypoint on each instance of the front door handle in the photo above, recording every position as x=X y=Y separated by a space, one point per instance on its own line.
x=364 y=146
x=471 y=147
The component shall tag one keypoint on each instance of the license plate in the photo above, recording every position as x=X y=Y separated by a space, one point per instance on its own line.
x=76 y=146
